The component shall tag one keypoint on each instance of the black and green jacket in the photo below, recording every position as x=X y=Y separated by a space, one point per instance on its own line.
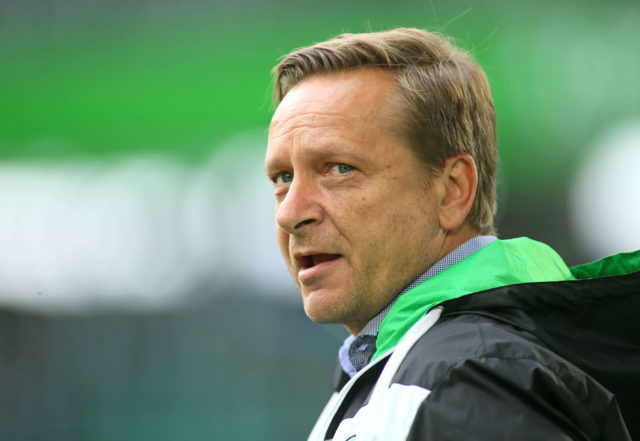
x=507 y=344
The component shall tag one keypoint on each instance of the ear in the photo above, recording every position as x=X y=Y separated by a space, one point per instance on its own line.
x=460 y=178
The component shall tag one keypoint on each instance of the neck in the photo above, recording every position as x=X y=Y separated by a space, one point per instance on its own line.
x=454 y=238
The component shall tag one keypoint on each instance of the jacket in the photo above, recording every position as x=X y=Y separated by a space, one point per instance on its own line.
x=508 y=344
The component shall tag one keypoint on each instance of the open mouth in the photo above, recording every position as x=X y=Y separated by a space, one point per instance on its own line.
x=316 y=259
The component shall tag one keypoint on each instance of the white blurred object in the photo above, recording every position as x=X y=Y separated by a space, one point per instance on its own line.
x=141 y=233
x=232 y=201
x=605 y=195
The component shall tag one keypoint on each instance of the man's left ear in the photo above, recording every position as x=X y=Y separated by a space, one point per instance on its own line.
x=460 y=178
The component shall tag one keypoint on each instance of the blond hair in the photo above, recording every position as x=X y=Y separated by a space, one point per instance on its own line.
x=445 y=95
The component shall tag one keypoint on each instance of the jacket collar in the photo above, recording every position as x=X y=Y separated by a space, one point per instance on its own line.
x=503 y=262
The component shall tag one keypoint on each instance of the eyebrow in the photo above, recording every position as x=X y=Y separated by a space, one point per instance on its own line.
x=273 y=164
x=321 y=153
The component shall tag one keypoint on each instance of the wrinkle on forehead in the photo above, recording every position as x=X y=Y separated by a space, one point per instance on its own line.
x=315 y=120
x=335 y=93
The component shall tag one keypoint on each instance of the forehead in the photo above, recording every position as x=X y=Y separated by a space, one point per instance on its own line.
x=359 y=97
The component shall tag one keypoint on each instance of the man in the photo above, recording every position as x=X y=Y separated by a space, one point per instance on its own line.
x=382 y=153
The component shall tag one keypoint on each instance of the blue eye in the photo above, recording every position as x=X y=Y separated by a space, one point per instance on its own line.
x=342 y=168
x=283 y=178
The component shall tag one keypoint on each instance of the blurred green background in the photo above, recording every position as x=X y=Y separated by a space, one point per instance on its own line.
x=141 y=292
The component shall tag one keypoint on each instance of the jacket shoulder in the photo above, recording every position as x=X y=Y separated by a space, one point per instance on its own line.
x=480 y=370
x=466 y=338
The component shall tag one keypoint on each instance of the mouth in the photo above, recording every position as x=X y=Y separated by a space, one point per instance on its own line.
x=310 y=260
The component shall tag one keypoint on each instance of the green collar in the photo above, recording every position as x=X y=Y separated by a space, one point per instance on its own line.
x=503 y=262
x=618 y=264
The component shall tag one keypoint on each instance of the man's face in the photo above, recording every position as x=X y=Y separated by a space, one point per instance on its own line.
x=356 y=219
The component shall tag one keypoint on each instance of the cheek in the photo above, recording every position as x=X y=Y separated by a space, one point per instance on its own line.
x=394 y=225
x=376 y=215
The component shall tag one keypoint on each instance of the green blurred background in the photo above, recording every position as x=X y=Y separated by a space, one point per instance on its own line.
x=141 y=292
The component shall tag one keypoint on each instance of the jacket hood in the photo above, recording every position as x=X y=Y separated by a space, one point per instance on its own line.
x=592 y=321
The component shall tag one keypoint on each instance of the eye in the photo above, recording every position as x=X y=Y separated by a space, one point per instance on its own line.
x=340 y=169
x=283 y=178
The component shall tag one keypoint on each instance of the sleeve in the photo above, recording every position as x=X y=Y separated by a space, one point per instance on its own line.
x=516 y=399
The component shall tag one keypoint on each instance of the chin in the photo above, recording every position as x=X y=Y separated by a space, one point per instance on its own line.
x=335 y=308
x=319 y=315
x=321 y=308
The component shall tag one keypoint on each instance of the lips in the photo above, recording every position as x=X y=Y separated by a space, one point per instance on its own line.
x=314 y=266
x=311 y=260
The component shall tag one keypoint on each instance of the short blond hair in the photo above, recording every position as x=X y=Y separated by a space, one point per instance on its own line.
x=445 y=94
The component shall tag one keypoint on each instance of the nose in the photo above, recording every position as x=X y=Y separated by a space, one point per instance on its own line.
x=299 y=207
